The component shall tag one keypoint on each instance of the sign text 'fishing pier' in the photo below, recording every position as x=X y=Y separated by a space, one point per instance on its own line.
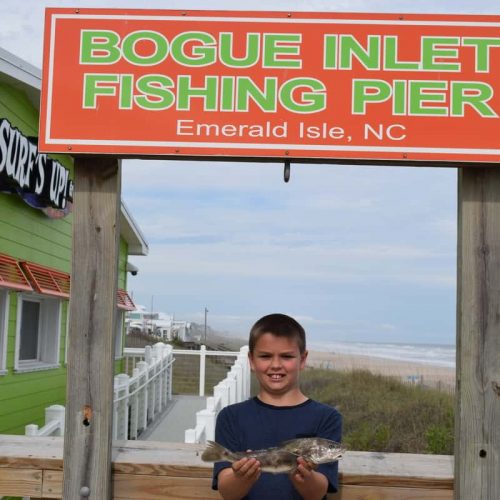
x=249 y=84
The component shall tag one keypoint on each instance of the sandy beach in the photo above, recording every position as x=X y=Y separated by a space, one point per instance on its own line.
x=427 y=374
x=411 y=372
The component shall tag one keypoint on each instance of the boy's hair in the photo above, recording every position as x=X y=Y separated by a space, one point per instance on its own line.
x=280 y=325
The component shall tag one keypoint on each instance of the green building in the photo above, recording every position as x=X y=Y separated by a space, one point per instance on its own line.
x=35 y=256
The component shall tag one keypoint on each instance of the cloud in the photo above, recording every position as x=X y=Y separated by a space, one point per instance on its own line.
x=363 y=252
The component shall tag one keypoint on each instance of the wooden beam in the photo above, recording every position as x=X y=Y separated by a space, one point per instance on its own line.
x=477 y=428
x=89 y=400
x=389 y=493
x=21 y=482
x=147 y=469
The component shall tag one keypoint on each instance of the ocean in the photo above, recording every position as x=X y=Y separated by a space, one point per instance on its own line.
x=431 y=354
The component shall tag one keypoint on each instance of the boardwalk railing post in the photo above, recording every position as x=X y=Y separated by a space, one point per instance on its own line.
x=56 y=412
x=134 y=404
x=203 y=356
x=168 y=374
x=143 y=404
x=121 y=419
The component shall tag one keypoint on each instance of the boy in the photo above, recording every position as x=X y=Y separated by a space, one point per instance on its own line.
x=277 y=353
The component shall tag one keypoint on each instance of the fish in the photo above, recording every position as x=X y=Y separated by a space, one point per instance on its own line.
x=282 y=458
x=315 y=450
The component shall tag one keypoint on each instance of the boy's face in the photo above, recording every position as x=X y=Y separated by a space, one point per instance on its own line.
x=276 y=362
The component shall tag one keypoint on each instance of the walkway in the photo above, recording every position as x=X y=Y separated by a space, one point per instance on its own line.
x=179 y=416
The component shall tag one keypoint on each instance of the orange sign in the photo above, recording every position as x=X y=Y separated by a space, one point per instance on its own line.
x=271 y=85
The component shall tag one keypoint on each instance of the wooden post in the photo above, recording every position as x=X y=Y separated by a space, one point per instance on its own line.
x=477 y=429
x=89 y=400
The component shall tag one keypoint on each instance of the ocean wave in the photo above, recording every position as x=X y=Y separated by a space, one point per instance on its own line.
x=436 y=355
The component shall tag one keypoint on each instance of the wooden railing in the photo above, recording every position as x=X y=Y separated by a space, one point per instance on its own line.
x=146 y=470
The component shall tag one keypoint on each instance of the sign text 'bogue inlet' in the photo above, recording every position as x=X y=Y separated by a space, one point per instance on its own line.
x=271 y=85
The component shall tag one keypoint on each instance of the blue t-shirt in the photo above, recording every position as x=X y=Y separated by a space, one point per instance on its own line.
x=254 y=425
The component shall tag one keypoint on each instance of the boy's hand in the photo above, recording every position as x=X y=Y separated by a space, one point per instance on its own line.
x=235 y=482
x=303 y=471
x=310 y=484
x=247 y=469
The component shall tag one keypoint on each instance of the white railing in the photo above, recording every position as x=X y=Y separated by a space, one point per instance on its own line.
x=203 y=353
x=54 y=423
x=233 y=389
x=137 y=400
x=140 y=398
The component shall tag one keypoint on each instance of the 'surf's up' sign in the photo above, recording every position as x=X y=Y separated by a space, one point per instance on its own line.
x=257 y=84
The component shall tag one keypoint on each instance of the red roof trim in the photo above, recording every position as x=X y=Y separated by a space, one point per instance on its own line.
x=11 y=274
x=124 y=300
x=46 y=280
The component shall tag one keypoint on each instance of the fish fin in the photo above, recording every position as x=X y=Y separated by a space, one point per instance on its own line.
x=214 y=452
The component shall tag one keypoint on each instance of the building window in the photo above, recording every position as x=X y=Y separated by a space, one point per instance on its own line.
x=4 y=309
x=38 y=333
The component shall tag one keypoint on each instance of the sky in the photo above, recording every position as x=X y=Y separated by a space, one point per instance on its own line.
x=355 y=253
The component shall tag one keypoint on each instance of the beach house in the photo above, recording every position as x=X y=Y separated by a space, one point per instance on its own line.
x=35 y=256
x=162 y=325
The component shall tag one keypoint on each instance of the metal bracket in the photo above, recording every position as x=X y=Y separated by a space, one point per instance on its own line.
x=286 y=172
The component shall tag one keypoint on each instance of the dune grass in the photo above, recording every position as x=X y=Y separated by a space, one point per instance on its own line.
x=383 y=414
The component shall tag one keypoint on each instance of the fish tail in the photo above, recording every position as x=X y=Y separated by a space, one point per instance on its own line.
x=215 y=452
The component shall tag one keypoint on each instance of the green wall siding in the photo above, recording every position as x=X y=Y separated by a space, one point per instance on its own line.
x=122 y=264
x=26 y=233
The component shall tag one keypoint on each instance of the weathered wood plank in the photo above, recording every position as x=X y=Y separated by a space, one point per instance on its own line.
x=21 y=482
x=89 y=400
x=128 y=487
x=183 y=460
x=142 y=487
x=146 y=487
x=143 y=468
x=407 y=481
x=388 y=493
x=434 y=471
x=477 y=428
x=52 y=484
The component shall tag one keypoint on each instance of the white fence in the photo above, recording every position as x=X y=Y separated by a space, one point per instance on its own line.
x=54 y=423
x=202 y=353
x=141 y=397
x=138 y=399
x=233 y=389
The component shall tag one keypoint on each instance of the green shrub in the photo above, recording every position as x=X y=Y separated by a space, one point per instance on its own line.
x=439 y=440
x=383 y=414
